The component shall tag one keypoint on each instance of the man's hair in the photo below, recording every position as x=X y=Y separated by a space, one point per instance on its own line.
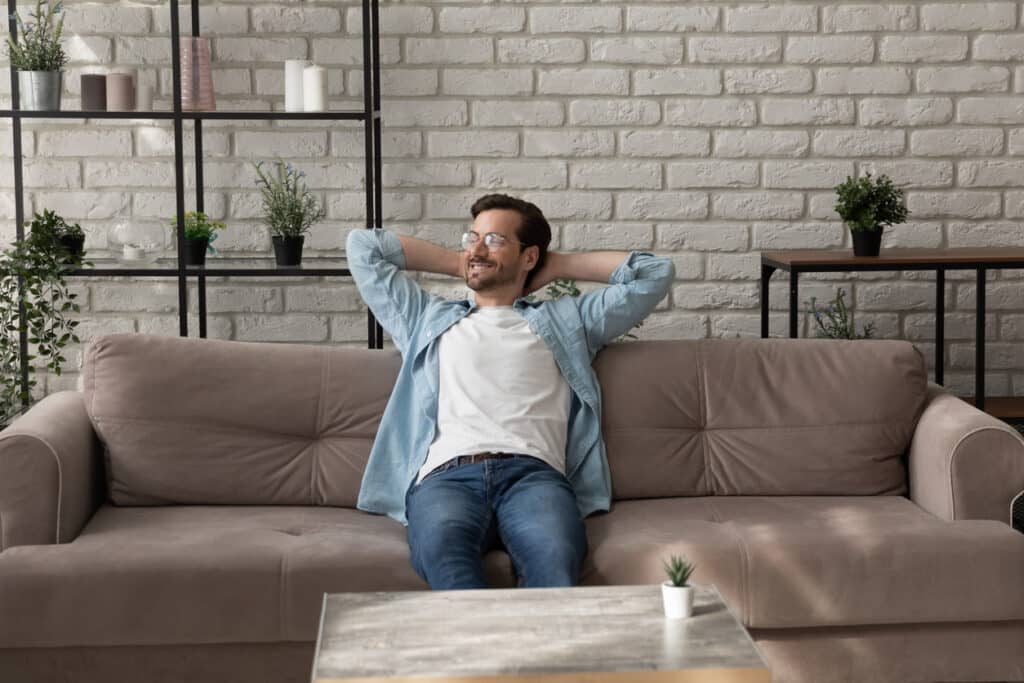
x=533 y=230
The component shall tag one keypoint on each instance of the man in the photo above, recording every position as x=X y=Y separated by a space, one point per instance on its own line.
x=492 y=434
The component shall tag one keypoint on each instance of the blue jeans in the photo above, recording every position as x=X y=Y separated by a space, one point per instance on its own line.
x=458 y=512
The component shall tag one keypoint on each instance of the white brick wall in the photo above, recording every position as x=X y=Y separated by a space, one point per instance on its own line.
x=705 y=131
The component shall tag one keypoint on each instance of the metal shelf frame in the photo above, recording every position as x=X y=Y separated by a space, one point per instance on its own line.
x=369 y=115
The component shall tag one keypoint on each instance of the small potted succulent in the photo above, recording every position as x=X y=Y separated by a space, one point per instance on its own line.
x=289 y=207
x=38 y=57
x=867 y=205
x=676 y=593
x=200 y=232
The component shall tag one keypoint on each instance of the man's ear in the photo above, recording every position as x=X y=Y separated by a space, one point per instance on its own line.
x=532 y=254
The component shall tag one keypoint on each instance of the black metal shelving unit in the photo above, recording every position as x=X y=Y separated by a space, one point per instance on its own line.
x=230 y=266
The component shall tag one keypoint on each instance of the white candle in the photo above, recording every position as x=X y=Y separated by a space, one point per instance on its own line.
x=293 y=83
x=314 y=88
x=133 y=253
x=144 y=97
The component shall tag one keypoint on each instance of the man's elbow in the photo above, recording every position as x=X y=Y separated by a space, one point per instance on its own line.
x=666 y=274
x=358 y=242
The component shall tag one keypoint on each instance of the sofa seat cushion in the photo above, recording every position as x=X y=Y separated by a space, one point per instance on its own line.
x=789 y=562
x=192 y=575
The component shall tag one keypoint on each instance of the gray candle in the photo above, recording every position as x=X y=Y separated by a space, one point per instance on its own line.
x=94 y=92
x=120 y=94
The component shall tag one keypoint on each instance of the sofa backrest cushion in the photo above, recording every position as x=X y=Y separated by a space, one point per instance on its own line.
x=199 y=421
x=759 y=416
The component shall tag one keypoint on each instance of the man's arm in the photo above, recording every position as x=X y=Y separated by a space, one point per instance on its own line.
x=377 y=259
x=429 y=257
x=637 y=282
x=591 y=266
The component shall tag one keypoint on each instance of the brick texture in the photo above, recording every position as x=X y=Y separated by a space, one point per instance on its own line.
x=704 y=131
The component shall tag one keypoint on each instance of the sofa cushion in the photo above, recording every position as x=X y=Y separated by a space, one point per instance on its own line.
x=194 y=574
x=202 y=421
x=787 y=562
x=809 y=417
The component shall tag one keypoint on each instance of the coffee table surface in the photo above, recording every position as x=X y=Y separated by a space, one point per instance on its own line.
x=606 y=633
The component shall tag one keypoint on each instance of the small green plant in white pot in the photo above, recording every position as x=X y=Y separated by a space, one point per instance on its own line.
x=38 y=57
x=677 y=593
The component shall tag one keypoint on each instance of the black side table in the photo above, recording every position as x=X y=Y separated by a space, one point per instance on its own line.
x=940 y=260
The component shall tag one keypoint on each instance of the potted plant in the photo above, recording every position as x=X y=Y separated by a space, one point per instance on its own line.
x=38 y=57
x=866 y=206
x=834 y=321
x=290 y=209
x=676 y=593
x=200 y=232
x=35 y=301
x=69 y=236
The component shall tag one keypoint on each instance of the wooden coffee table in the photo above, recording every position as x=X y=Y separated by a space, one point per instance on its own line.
x=593 y=634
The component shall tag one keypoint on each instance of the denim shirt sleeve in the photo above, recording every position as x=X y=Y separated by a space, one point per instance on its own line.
x=636 y=287
x=377 y=262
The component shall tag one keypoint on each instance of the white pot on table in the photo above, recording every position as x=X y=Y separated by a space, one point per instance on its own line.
x=678 y=600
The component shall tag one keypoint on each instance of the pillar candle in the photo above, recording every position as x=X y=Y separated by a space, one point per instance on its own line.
x=144 y=98
x=94 y=92
x=293 y=83
x=120 y=94
x=314 y=88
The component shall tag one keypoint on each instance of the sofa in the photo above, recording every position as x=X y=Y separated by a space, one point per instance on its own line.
x=181 y=517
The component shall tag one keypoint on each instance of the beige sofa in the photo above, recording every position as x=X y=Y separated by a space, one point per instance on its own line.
x=181 y=518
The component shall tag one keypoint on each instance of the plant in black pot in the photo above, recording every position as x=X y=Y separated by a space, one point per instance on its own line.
x=70 y=237
x=289 y=208
x=200 y=232
x=867 y=205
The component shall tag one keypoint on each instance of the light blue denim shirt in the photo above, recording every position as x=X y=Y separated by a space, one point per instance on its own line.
x=574 y=328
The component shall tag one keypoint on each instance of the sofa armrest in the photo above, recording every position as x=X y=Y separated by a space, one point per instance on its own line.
x=50 y=473
x=964 y=463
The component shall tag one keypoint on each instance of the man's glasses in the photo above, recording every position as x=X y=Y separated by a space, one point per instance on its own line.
x=492 y=240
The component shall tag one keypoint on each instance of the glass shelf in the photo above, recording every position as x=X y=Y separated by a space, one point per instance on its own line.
x=194 y=115
x=215 y=267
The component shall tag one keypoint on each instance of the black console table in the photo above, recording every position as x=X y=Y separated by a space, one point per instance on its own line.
x=981 y=260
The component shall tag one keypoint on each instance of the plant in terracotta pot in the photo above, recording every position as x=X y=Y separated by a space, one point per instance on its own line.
x=676 y=593
x=289 y=208
x=200 y=232
x=38 y=56
x=867 y=205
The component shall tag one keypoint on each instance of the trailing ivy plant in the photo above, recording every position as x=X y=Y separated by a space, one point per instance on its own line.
x=34 y=298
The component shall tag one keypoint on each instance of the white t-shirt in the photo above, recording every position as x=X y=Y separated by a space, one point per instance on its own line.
x=500 y=390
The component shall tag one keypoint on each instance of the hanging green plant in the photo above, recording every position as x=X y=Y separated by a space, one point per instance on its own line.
x=35 y=299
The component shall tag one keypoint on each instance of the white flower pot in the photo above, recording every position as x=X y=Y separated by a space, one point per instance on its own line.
x=678 y=600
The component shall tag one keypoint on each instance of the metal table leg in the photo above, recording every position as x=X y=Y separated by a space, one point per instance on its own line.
x=794 y=282
x=979 y=343
x=940 y=324
x=201 y=286
x=766 y=276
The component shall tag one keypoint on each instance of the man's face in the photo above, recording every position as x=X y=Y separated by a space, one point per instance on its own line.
x=488 y=270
